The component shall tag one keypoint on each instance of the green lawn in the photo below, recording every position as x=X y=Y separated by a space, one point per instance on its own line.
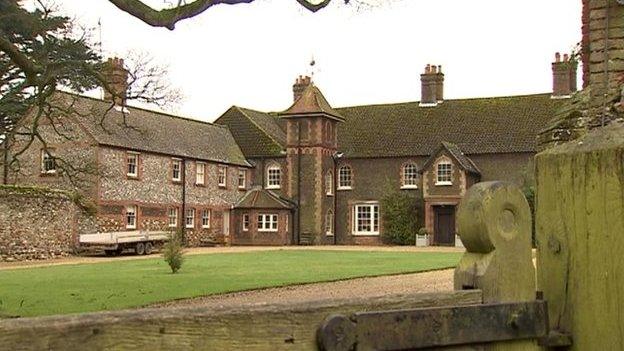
x=123 y=284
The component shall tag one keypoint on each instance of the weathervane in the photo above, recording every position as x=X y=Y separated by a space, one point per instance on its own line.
x=312 y=69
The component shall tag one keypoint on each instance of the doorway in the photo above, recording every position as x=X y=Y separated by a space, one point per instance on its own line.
x=444 y=225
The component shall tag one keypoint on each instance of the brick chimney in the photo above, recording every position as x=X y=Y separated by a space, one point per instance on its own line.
x=432 y=86
x=300 y=85
x=564 y=76
x=117 y=79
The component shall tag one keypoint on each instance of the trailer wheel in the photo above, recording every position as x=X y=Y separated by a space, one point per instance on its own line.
x=148 y=248
x=139 y=248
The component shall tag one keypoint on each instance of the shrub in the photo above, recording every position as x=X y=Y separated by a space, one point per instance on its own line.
x=173 y=252
x=400 y=212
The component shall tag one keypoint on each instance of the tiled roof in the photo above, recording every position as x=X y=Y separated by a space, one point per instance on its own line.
x=257 y=133
x=464 y=161
x=311 y=102
x=258 y=197
x=476 y=126
x=152 y=131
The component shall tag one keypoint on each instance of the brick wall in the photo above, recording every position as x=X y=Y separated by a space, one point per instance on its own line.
x=252 y=236
x=38 y=223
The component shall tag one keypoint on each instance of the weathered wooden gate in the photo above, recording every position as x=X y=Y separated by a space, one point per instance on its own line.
x=496 y=306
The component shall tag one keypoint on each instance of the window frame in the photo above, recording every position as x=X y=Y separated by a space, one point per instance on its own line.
x=329 y=183
x=243 y=172
x=340 y=183
x=450 y=173
x=374 y=221
x=201 y=165
x=136 y=157
x=204 y=224
x=222 y=169
x=329 y=223
x=174 y=162
x=246 y=222
x=268 y=222
x=175 y=217
x=192 y=217
x=404 y=176
x=135 y=210
x=273 y=167
x=47 y=154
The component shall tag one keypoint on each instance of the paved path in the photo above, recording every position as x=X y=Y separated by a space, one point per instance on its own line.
x=213 y=250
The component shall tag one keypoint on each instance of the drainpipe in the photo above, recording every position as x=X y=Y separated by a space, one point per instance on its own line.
x=335 y=191
x=183 y=219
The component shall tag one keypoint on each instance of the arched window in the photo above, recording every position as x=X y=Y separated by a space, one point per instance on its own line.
x=345 y=178
x=274 y=176
x=410 y=176
x=329 y=223
x=329 y=183
x=444 y=173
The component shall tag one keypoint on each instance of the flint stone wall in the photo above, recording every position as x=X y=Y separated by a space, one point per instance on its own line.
x=39 y=223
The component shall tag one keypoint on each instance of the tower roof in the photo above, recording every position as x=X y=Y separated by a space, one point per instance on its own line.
x=311 y=102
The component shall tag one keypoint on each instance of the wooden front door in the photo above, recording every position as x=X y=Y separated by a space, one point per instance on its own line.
x=444 y=225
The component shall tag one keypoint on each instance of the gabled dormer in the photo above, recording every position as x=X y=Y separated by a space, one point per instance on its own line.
x=448 y=172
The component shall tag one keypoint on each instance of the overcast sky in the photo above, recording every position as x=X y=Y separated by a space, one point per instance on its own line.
x=249 y=55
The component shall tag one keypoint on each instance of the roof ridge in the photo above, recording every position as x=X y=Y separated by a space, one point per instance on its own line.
x=445 y=100
x=256 y=124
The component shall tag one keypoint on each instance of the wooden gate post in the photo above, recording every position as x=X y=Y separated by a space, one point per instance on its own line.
x=494 y=224
x=580 y=237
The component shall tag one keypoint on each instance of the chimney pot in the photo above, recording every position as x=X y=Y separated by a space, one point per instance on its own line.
x=432 y=85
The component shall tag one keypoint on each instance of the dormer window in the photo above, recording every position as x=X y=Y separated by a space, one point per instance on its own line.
x=274 y=177
x=410 y=176
x=444 y=173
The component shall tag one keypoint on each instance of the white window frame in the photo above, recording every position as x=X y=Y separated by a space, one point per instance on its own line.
x=222 y=176
x=135 y=156
x=340 y=178
x=272 y=182
x=329 y=183
x=329 y=223
x=267 y=222
x=174 y=162
x=46 y=154
x=246 y=222
x=131 y=209
x=374 y=220
x=450 y=173
x=190 y=224
x=205 y=218
x=242 y=175
x=200 y=177
x=404 y=176
x=172 y=216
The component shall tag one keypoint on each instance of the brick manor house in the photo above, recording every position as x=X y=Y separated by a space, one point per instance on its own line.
x=312 y=174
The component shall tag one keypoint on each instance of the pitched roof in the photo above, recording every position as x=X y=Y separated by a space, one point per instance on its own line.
x=258 y=197
x=311 y=102
x=152 y=131
x=464 y=161
x=257 y=133
x=477 y=126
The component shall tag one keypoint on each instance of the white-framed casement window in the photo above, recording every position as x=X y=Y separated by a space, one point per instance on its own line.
x=132 y=164
x=444 y=173
x=131 y=217
x=366 y=219
x=48 y=163
x=329 y=223
x=245 y=222
x=222 y=176
x=176 y=170
x=200 y=173
x=274 y=177
x=410 y=176
x=189 y=218
x=267 y=222
x=205 y=218
x=173 y=217
x=242 y=178
x=345 y=178
x=329 y=183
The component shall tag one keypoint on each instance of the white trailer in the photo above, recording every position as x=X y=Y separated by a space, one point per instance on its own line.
x=114 y=243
